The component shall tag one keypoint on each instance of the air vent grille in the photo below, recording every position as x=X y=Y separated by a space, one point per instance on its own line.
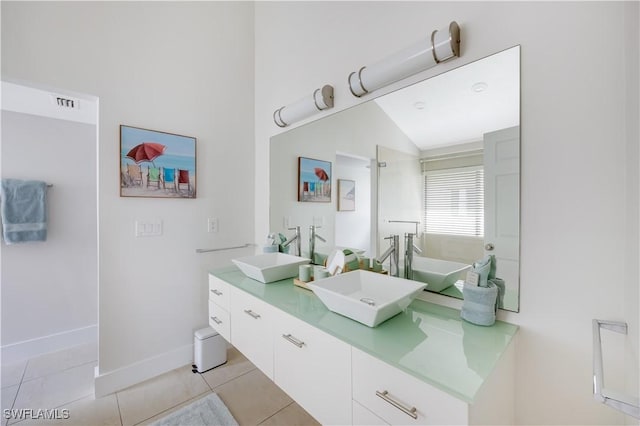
x=65 y=102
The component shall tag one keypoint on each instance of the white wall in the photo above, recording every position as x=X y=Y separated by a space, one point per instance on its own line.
x=180 y=67
x=400 y=190
x=576 y=142
x=50 y=289
x=632 y=288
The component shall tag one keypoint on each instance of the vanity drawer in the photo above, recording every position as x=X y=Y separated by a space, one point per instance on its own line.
x=220 y=320
x=392 y=394
x=219 y=292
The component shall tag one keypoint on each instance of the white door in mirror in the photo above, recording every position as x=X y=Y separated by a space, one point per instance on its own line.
x=502 y=200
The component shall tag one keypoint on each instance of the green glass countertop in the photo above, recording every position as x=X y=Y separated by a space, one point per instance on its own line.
x=428 y=341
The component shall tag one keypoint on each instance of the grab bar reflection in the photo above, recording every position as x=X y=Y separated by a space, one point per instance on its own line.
x=624 y=403
x=415 y=222
x=225 y=248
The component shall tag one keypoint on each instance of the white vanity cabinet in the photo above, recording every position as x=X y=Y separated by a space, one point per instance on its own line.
x=314 y=368
x=219 y=318
x=251 y=329
x=424 y=366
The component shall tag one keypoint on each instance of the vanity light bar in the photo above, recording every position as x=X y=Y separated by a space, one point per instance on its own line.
x=441 y=46
x=320 y=100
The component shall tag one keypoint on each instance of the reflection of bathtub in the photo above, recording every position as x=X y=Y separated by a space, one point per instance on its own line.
x=438 y=274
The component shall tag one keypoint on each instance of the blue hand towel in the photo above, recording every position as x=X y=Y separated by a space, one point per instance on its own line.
x=24 y=211
x=499 y=282
x=492 y=270
x=479 y=304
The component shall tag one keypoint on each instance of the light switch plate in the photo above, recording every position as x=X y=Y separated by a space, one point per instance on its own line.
x=212 y=224
x=286 y=222
x=148 y=228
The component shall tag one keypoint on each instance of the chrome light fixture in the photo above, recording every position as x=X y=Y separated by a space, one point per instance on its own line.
x=320 y=100
x=441 y=46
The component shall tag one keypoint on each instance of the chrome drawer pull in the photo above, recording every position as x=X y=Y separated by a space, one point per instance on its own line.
x=408 y=411
x=216 y=292
x=251 y=313
x=290 y=338
x=216 y=320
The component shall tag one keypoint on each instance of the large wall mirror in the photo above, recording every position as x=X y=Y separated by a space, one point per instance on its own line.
x=440 y=159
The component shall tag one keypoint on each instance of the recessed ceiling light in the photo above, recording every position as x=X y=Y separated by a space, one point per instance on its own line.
x=480 y=86
x=419 y=105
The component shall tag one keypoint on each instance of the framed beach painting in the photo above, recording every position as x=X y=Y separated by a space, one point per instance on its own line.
x=314 y=180
x=156 y=164
x=346 y=195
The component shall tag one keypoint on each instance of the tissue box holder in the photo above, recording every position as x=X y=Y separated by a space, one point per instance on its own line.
x=479 y=304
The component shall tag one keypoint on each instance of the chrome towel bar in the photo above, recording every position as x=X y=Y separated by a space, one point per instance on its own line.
x=624 y=403
x=224 y=248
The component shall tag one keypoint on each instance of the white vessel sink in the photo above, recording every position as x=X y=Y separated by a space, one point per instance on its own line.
x=270 y=267
x=367 y=297
x=438 y=274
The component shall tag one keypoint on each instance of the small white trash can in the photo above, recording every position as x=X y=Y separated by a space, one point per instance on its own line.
x=209 y=350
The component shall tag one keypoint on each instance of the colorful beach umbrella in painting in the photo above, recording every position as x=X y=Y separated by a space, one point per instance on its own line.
x=146 y=151
x=322 y=175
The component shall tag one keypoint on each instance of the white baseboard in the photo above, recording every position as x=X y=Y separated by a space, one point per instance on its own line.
x=113 y=381
x=19 y=351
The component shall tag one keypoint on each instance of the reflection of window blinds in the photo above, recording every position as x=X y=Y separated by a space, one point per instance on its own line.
x=454 y=201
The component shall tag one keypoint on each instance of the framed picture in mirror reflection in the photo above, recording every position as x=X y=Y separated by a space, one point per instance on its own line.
x=314 y=180
x=346 y=195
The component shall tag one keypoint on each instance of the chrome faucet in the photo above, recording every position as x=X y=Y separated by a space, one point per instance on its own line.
x=409 y=249
x=312 y=241
x=296 y=238
x=393 y=255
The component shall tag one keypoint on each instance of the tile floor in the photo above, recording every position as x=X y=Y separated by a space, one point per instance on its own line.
x=64 y=380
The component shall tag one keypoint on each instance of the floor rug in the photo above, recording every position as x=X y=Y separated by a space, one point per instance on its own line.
x=207 y=411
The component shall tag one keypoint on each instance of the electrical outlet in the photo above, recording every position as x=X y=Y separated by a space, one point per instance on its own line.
x=286 y=222
x=212 y=224
x=318 y=221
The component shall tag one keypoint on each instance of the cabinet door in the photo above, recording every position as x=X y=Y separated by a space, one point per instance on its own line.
x=219 y=320
x=219 y=292
x=251 y=329
x=395 y=396
x=314 y=368
x=364 y=417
